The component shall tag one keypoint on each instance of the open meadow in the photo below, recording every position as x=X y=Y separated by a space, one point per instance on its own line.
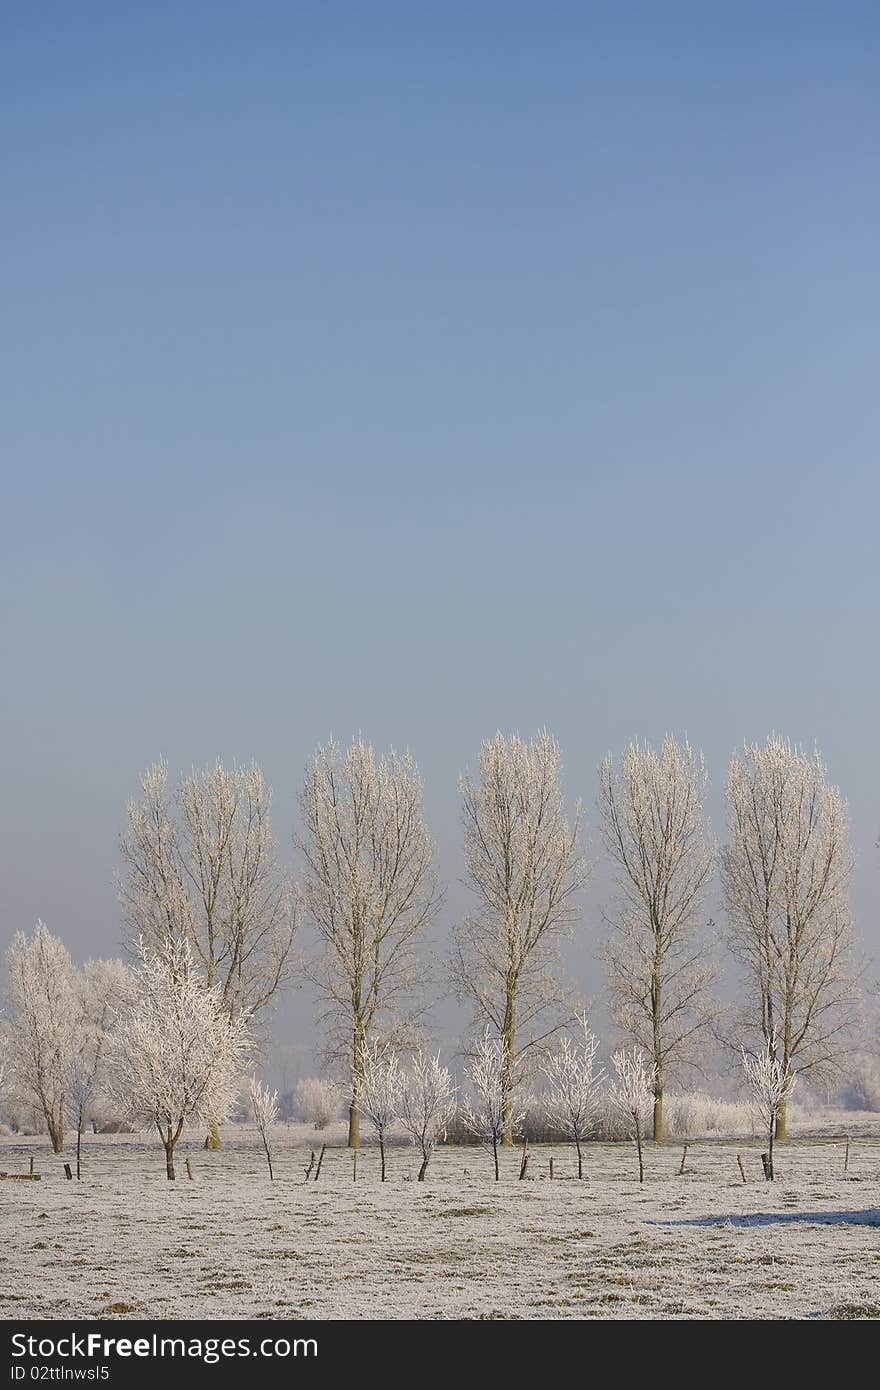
x=125 y=1242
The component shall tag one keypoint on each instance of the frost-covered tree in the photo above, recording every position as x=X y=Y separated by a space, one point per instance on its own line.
x=659 y=964
x=318 y=1100
x=523 y=865
x=426 y=1104
x=786 y=871
x=631 y=1094
x=486 y=1111
x=202 y=864
x=371 y=892
x=43 y=1013
x=102 y=989
x=574 y=1087
x=380 y=1089
x=264 y=1104
x=770 y=1082
x=177 y=1054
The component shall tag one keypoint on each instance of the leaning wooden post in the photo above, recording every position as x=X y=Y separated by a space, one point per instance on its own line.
x=320 y=1161
x=311 y=1166
x=525 y=1160
x=189 y=1171
x=68 y=1172
x=845 y=1159
x=551 y=1169
x=684 y=1154
x=742 y=1170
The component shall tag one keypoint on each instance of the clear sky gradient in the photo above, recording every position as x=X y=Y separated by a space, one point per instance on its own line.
x=425 y=370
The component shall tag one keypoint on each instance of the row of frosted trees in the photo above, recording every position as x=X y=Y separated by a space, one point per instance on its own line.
x=158 y=1044
x=201 y=871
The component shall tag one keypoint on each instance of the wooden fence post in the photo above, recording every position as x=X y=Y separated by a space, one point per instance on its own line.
x=742 y=1171
x=684 y=1154
x=320 y=1161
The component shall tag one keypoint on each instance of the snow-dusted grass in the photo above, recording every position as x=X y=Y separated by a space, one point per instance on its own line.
x=125 y=1242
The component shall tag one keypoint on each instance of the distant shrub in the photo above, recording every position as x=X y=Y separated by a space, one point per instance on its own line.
x=318 y=1101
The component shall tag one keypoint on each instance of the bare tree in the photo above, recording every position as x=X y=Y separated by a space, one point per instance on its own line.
x=177 y=1054
x=370 y=891
x=659 y=969
x=631 y=1094
x=770 y=1082
x=43 y=1014
x=427 y=1104
x=380 y=1089
x=203 y=865
x=264 y=1104
x=785 y=872
x=102 y=989
x=486 y=1112
x=522 y=863
x=574 y=1087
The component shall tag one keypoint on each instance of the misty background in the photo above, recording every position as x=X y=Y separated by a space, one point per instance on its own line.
x=422 y=375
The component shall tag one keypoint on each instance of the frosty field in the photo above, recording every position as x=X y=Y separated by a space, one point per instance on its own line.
x=125 y=1242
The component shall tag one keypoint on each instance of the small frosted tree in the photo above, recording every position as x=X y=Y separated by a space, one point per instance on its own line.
x=42 y=1009
x=102 y=989
x=380 y=1089
x=486 y=1112
x=770 y=1081
x=574 y=1087
x=264 y=1104
x=427 y=1104
x=318 y=1100
x=632 y=1093
x=177 y=1052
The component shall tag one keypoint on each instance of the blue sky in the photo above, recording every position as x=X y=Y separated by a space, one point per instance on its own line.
x=424 y=371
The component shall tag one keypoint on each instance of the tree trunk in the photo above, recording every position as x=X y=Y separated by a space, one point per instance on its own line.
x=781 y=1123
x=495 y=1153
x=354 y=1110
x=639 y=1148
x=658 y=1115
x=508 y=1039
x=169 y=1161
x=424 y=1168
x=212 y=1140
x=656 y=992
x=580 y=1158
x=382 y=1153
x=770 y=1155
x=78 y=1149
x=55 y=1126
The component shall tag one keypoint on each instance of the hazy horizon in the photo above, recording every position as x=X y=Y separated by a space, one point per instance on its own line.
x=424 y=380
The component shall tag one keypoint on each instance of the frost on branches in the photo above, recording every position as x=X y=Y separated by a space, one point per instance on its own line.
x=371 y=892
x=525 y=871
x=103 y=989
x=659 y=967
x=43 y=1009
x=380 y=1089
x=631 y=1094
x=574 y=1087
x=426 y=1105
x=177 y=1053
x=770 y=1082
x=486 y=1111
x=264 y=1104
x=786 y=871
